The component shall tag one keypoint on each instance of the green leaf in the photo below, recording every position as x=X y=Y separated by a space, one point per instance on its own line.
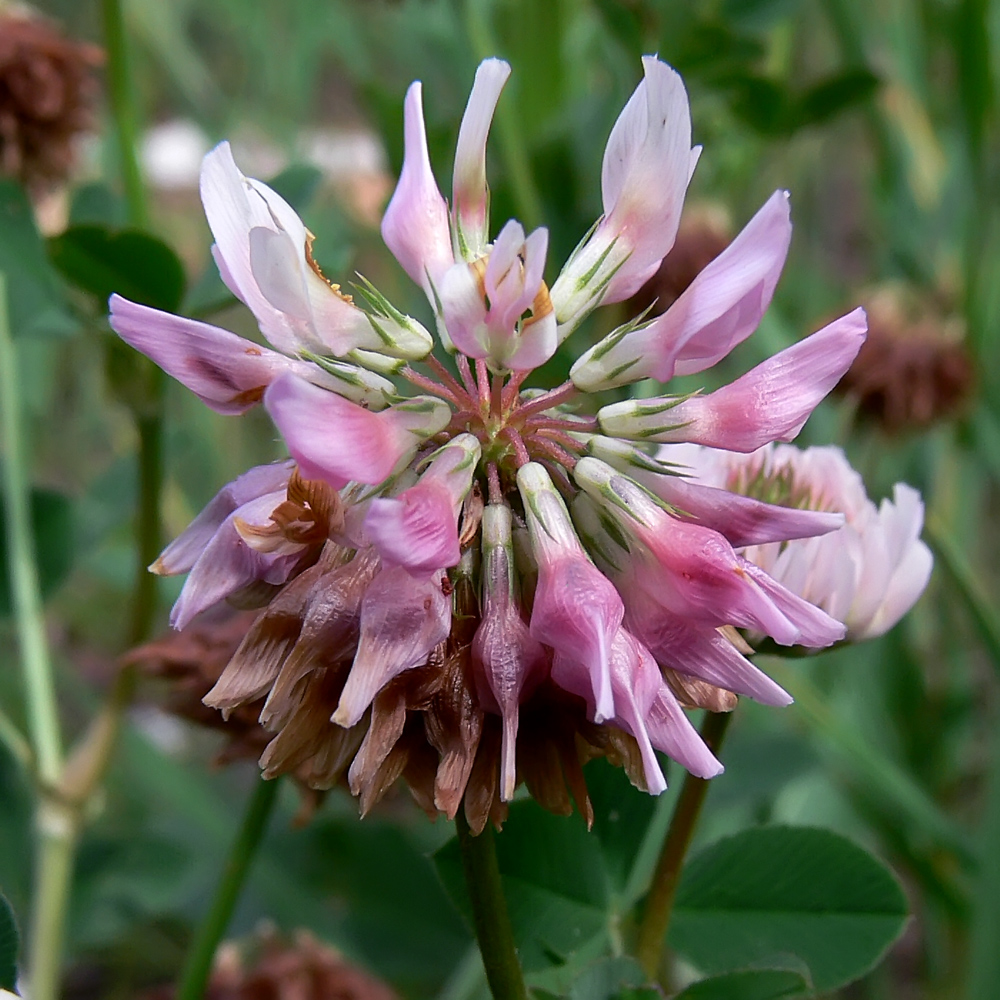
x=785 y=890
x=749 y=984
x=621 y=822
x=553 y=878
x=52 y=526
x=9 y=945
x=96 y=204
x=35 y=296
x=102 y=261
x=609 y=979
x=761 y=102
x=297 y=184
x=828 y=98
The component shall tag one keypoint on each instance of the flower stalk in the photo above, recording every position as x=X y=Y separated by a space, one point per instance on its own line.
x=55 y=825
x=198 y=964
x=149 y=425
x=666 y=878
x=126 y=119
x=489 y=912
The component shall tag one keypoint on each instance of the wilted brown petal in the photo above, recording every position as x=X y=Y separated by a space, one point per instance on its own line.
x=692 y=692
x=454 y=724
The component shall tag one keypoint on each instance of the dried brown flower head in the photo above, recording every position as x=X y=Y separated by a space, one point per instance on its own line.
x=915 y=368
x=271 y=967
x=47 y=95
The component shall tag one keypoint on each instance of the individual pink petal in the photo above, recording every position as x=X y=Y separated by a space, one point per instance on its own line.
x=742 y=520
x=670 y=731
x=700 y=651
x=815 y=627
x=470 y=194
x=416 y=530
x=402 y=620
x=183 y=552
x=770 y=403
x=507 y=661
x=227 y=372
x=261 y=245
x=909 y=559
x=464 y=309
x=576 y=607
x=419 y=528
x=415 y=224
x=636 y=681
x=725 y=302
x=645 y=174
x=535 y=344
x=339 y=442
x=228 y=564
x=577 y=611
x=647 y=165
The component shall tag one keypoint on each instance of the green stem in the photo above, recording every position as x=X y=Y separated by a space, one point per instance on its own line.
x=666 y=878
x=123 y=108
x=489 y=911
x=14 y=740
x=150 y=423
x=977 y=602
x=198 y=965
x=43 y=717
x=57 y=826
x=150 y=428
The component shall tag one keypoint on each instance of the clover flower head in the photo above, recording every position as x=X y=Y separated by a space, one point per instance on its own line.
x=465 y=581
x=869 y=572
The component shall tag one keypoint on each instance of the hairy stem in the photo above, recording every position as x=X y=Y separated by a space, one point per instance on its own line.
x=489 y=911
x=198 y=965
x=660 y=901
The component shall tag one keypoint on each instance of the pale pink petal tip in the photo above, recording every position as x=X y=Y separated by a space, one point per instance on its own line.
x=415 y=225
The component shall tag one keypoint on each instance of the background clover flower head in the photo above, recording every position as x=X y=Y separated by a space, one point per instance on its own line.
x=869 y=572
x=463 y=580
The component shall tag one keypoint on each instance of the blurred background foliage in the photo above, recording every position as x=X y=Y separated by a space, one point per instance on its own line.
x=878 y=115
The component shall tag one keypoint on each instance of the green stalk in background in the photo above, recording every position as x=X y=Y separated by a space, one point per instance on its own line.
x=56 y=826
x=149 y=424
x=198 y=964
x=660 y=900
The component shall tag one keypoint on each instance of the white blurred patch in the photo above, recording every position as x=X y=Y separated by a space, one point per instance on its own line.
x=172 y=155
x=164 y=731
